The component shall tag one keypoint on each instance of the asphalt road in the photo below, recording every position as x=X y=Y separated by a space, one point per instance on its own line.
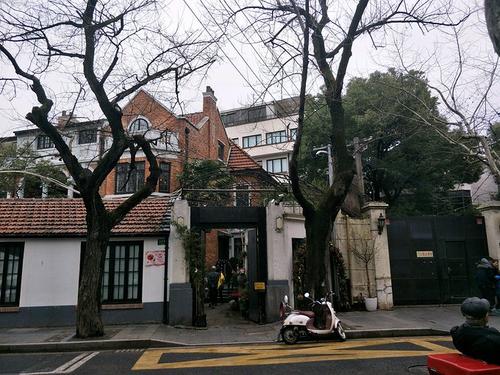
x=372 y=356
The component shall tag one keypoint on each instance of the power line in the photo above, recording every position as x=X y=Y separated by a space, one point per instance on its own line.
x=231 y=62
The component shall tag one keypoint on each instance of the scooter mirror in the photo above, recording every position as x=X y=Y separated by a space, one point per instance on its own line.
x=306 y=295
x=285 y=299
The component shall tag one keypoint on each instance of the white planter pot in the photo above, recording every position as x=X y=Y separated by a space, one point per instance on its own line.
x=371 y=304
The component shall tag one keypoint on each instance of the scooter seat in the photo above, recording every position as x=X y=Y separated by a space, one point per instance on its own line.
x=309 y=314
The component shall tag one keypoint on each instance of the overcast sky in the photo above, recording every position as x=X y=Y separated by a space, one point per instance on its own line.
x=232 y=88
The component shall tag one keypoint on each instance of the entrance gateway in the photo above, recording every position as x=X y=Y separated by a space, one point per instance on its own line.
x=433 y=259
x=180 y=304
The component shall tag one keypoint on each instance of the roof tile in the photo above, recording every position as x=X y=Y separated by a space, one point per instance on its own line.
x=66 y=217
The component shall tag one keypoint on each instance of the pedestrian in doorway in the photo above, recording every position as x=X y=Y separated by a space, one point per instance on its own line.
x=496 y=311
x=474 y=338
x=485 y=278
x=212 y=280
x=220 y=285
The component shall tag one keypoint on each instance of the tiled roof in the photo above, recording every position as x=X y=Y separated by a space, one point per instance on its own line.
x=62 y=217
x=239 y=159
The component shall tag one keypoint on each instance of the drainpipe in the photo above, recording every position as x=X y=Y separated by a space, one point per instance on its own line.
x=186 y=149
x=165 y=282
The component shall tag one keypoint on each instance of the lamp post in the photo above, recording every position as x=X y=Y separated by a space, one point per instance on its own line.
x=328 y=151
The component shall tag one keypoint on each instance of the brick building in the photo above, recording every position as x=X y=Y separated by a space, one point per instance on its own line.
x=175 y=139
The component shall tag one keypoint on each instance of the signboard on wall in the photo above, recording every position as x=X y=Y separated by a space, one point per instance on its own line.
x=425 y=254
x=155 y=258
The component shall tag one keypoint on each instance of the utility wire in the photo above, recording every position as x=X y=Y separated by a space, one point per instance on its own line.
x=231 y=62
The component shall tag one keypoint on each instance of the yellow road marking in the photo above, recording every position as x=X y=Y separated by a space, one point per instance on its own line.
x=251 y=355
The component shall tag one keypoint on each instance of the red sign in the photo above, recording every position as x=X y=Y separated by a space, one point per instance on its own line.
x=155 y=258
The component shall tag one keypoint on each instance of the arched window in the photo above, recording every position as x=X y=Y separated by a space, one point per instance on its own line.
x=139 y=125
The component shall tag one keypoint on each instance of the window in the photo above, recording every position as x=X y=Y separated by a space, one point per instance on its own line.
x=122 y=273
x=293 y=134
x=11 y=261
x=220 y=150
x=243 y=198
x=164 y=184
x=122 y=276
x=252 y=141
x=229 y=118
x=129 y=184
x=236 y=141
x=138 y=125
x=87 y=136
x=43 y=141
x=256 y=114
x=171 y=141
x=277 y=165
x=276 y=137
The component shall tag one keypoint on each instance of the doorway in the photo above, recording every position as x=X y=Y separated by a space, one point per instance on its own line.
x=252 y=247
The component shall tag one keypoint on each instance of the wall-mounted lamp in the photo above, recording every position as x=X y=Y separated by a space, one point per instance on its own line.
x=380 y=223
x=180 y=220
x=279 y=224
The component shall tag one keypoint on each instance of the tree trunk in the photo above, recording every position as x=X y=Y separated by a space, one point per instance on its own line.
x=318 y=230
x=88 y=313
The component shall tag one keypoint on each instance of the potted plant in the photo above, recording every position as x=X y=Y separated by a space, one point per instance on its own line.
x=364 y=252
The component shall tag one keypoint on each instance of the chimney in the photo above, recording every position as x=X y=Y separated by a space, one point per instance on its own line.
x=209 y=102
x=64 y=119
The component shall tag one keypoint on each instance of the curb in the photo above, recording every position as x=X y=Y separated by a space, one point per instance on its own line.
x=85 y=346
x=151 y=343
x=394 y=332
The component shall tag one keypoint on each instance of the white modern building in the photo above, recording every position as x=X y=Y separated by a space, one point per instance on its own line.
x=265 y=131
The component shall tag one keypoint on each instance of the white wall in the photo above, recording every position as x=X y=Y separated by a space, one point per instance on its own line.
x=264 y=152
x=153 y=277
x=279 y=252
x=51 y=269
x=50 y=272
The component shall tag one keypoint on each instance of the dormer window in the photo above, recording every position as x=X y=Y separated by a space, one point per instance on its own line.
x=139 y=125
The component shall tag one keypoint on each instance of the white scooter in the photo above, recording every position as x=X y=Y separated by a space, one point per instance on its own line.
x=318 y=323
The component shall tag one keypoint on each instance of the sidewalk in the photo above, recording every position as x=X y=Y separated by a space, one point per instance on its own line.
x=402 y=321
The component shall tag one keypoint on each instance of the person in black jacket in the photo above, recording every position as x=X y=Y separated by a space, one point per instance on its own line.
x=485 y=278
x=474 y=338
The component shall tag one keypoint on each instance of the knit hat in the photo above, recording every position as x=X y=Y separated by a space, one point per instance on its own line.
x=475 y=309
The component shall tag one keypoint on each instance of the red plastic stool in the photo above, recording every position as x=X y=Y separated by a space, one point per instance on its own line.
x=458 y=364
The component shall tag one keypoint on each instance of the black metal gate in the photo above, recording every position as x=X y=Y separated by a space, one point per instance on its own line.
x=433 y=258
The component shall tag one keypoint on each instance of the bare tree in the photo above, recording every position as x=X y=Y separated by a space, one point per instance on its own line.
x=289 y=27
x=364 y=251
x=471 y=118
x=492 y=12
x=111 y=49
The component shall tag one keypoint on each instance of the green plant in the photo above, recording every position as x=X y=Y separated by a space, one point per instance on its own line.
x=342 y=297
x=194 y=254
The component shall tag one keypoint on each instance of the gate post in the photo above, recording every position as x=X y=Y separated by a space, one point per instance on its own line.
x=180 y=294
x=491 y=212
x=383 y=279
x=279 y=261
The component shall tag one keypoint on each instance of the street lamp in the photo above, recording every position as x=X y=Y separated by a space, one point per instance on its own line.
x=380 y=223
x=328 y=151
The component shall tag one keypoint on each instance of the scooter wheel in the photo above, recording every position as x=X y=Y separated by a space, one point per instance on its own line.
x=290 y=336
x=340 y=332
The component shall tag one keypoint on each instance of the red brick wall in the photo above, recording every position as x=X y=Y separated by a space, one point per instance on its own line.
x=203 y=141
x=211 y=248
